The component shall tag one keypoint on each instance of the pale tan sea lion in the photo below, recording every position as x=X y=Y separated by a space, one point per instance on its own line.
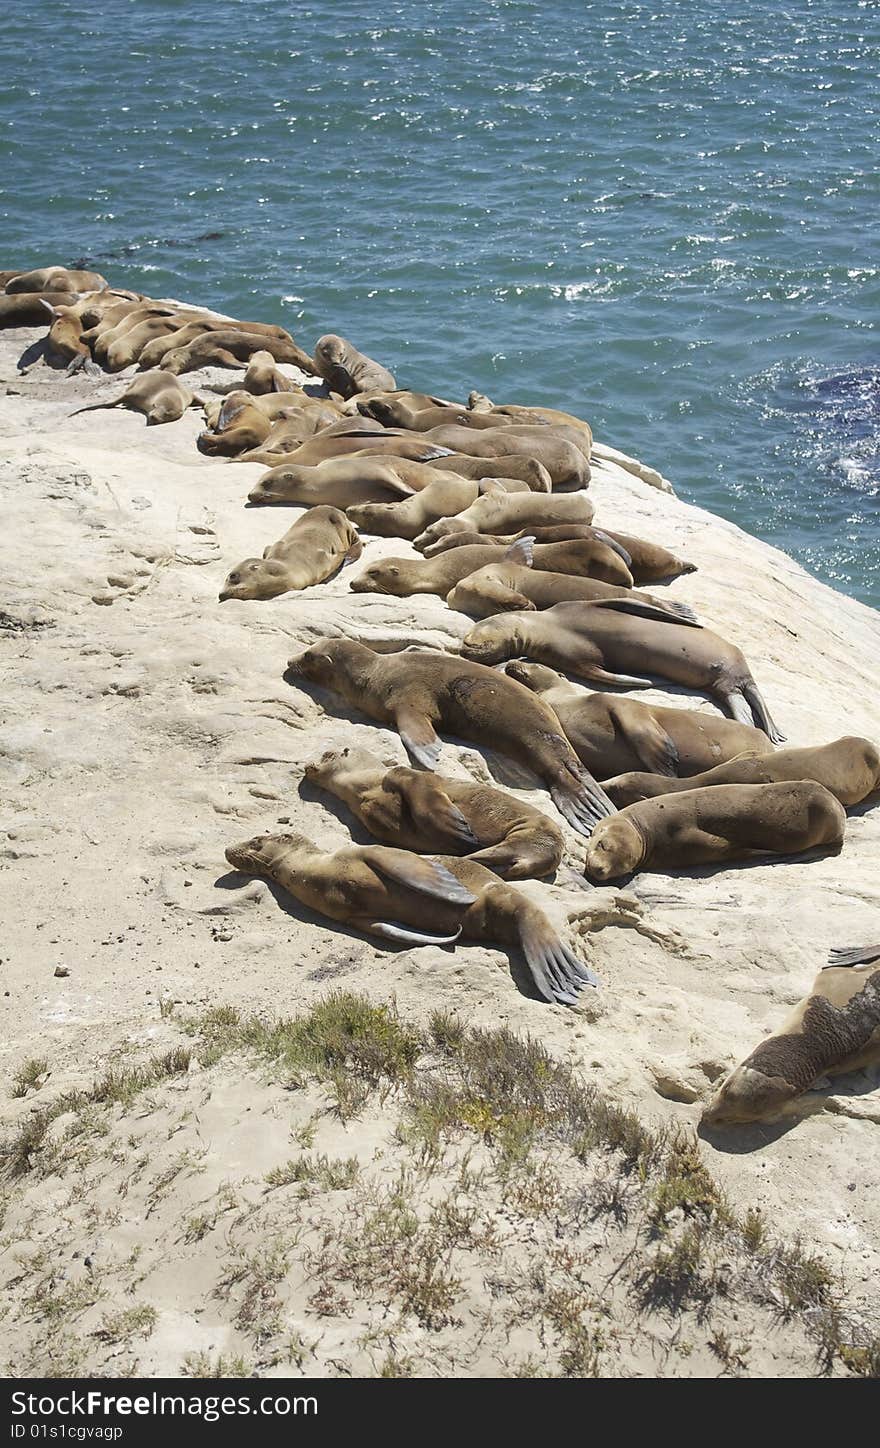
x=712 y=826
x=348 y=371
x=110 y=328
x=513 y=465
x=419 y=692
x=158 y=396
x=610 y=733
x=403 y=577
x=422 y=811
x=311 y=551
x=441 y=497
x=412 y=900
x=834 y=1029
x=563 y=457
x=231 y=348
x=343 y=482
x=507 y=585
x=595 y=640
x=55 y=279
x=128 y=348
x=495 y=512
x=477 y=402
x=355 y=440
x=849 y=768
x=264 y=376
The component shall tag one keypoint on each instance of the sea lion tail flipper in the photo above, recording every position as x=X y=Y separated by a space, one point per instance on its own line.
x=557 y=973
x=854 y=955
x=615 y=546
x=406 y=935
x=522 y=552
x=419 y=736
x=761 y=713
x=426 y=799
x=583 y=802
x=415 y=872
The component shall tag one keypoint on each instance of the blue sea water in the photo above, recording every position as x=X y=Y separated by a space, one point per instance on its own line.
x=661 y=216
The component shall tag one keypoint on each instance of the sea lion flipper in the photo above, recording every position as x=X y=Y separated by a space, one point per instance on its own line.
x=425 y=798
x=417 y=873
x=655 y=750
x=419 y=737
x=522 y=552
x=558 y=975
x=761 y=713
x=614 y=546
x=406 y=934
x=646 y=610
x=853 y=955
x=355 y=550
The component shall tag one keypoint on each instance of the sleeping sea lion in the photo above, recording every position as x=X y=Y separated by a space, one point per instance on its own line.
x=478 y=402
x=357 y=440
x=55 y=279
x=563 y=457
x=418 y=692
x=422 y=811
x=514 y=465
x=506 y=585
x=648 y=563
x=836 y=1028
x=606 y=729
x=263 y=376
x=440 y=498
x=158 y=396
x=231 y=348
x=348 y=371
x=192 y=325
x=594 y=640
x=394 y=412
x=31 y=309
x=711 y=826
x=243 y=425
x=411 y=900
x=588 y=558
x=343 y=481
x=312 y=550
x=848 y=767
x=498 y=513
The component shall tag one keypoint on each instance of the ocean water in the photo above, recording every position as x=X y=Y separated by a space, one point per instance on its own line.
x=661 y=216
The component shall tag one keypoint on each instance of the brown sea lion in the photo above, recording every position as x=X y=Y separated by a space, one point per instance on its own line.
x=563 y=457
x=412 y=900
x=849 y=768
x=513 y=465
x=419 y=810
x=343 y=481
x=159 y=397
x=242 y=426
x=648 y=563
x=834 y=1029
x=587 y=558
x=357 y=441
x=348 y=371
x=408 y=518
x=128 y=348
x=392 y=411
x=419 y=692
x=312 y=550
x=230 y=348
x=55 y=279
x=30 y=309
x=112 y=327
x=507 y=585
x=595 y=640
x=711 y=826
x=264 y=376
x=606 y=729
x=192 y=325
x=478 y=402
x=500 y=513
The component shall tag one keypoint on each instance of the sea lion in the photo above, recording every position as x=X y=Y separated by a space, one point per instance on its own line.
x=198 y=324
x=514 y=465
x=263 y=376
x=595 y=640
x=55 y=279
x=478 y=402
x=159 y=397
x=354 y=440
x=419 y=692
x=563 y=457
x=242 y=426
x=403 y=577
x=849 y=768
x=648 y=562
x=231 y=348
x=312 y=550
x=343 y=481
x=408 y=518
x=711 y=826
x=506 y=585
x=500 y=513
x=412 y=900
x=30 y=309
x=111 y=329
x=834 y=1029
x=419 y=810
x=128 y=348
x=348 y=371
x=394 y=412
x=606 y=729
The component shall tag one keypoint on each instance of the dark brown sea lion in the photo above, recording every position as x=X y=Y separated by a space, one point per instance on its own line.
x=348 y=371
x=419 y=810
x=55 y=279
x=231 y=348
x=595 y=640
x=563 y=457
x=412 y=900
x=498 y=513
x=419 y=692
x=311 y=551
x=711 y=826
x=507 y=585
x=834 y=1029
x=607 y=729
x=159 y=397
x=849 y=768
x=587 y=558
x=343 y=481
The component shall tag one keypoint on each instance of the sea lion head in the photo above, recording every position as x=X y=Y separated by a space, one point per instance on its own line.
x=536 y=677
x=385 y=576
x=256 y=578
x=269 y=489
x=326 y=659
x=614 y=848
x=748 y=1095
x=341 y=761
x=491 y=641
x=174 y=361
x=255 y=855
